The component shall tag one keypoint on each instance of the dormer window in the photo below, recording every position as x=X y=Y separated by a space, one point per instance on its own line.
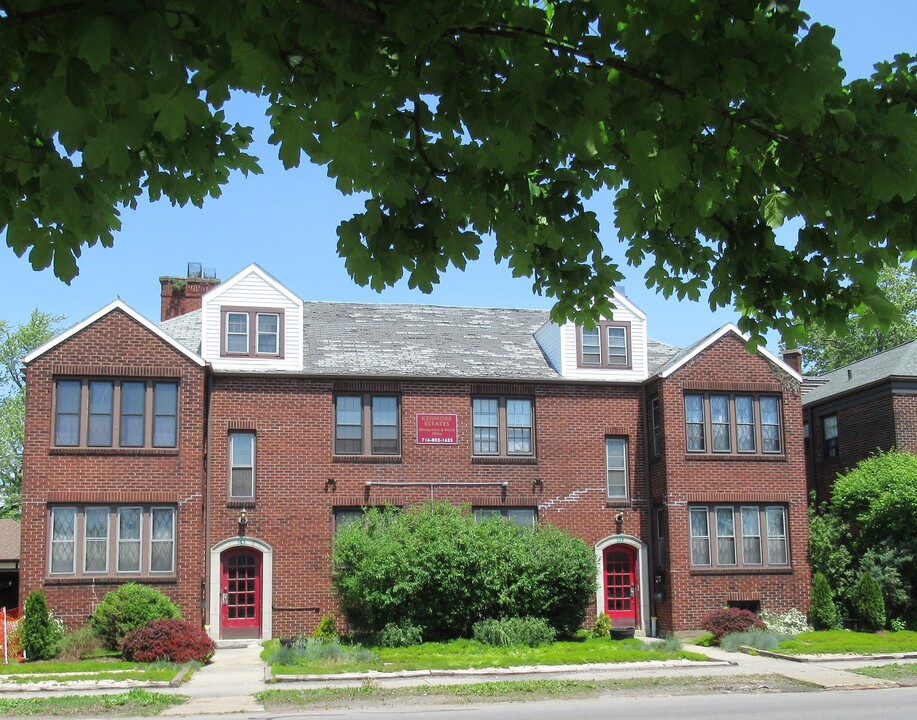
x=607 y=345
x=252 y=333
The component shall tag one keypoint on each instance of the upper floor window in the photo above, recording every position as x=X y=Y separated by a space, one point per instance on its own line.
x=502 y=426
x=656 y=422
x=829 y=427
x=115 y=413
x=616 y=467
x=606 y=345
x=367 y=425
x=733 y=423
x=524 y=517
x=738 y=536
x=107 y=541
x=252 y=332
x=242 y=465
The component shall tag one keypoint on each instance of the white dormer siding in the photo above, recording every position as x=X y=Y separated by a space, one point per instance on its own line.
x=562 y=349
x=252 y=293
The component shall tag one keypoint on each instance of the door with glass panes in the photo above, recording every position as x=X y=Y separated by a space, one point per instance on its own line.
x=240 y=588
x=621 y=586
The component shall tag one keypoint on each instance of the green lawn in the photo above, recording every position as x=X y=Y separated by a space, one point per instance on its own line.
x=845 y=641
x=465 y=654
x=33 y=672
x=904 y=673
x=132 y=703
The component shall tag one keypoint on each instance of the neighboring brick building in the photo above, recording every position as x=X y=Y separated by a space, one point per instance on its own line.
x=214 y=455
x=851 y=412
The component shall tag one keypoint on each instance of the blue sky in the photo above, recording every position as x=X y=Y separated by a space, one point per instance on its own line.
x=285 y=221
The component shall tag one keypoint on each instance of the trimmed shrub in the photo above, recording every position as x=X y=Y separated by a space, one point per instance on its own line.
x=41 y=636
x=130 y=607
x=726 y=621
x=435 y=566
x=869 y=604
x=175 y=641
x=602 y=626
x=80 y=644
x=326 y=631
x=402 y=634
x=823 y=611
x=514 y=631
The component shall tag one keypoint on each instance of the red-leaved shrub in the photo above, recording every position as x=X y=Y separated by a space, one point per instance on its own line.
x=173 y=640
x=726 y=621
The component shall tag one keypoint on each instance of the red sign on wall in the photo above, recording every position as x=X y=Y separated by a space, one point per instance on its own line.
x=437 y=429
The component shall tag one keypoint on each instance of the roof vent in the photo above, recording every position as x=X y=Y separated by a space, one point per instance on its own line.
x=194 y=270
x=210 y=272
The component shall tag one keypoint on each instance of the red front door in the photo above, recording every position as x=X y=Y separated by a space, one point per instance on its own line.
x=240 y=587
x=622 y=589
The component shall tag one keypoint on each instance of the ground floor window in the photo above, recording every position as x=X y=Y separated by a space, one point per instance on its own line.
x=733 y=536
x=106 y=540
x=524 y=517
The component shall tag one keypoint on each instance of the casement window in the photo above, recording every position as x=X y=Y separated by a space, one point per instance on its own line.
x=656 y=423
x=829 y=429
x=727 y=423
x=367 y=425
x=249 y=332
x=105 y=541
x=104 y=413
x=738 y=536
x=523 y=517
x=607 y=345
x=503 y=426
x=241 y=465
x=616 y=468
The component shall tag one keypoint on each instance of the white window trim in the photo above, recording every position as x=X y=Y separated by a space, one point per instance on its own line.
x=608 y=469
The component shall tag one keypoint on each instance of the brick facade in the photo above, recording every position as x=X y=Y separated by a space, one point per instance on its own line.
x=300 y=482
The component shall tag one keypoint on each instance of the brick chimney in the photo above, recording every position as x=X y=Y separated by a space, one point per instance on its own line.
x=793 y=358
x=183 y=295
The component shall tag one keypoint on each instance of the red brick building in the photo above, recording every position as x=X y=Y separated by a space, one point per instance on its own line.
x=852 y=412
x=214 y=454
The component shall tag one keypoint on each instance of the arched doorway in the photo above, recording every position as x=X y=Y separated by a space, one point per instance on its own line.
x=622 y=591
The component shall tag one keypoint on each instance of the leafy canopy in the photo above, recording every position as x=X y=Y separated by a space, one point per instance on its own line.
x=707 y=124
x=16 y=343
x=860 y=336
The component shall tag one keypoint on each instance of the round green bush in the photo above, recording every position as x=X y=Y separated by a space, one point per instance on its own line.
x=130 y=607
x=402 y=634
x=869 y=604
x=602 y=626
x=823 y=612
x=42 y=635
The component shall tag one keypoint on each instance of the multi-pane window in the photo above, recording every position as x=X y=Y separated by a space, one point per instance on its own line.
x=524 y=517
x=733 y=423
x=656 y=421
x=367 y=425
x=744 y=536
x=242 y=465
x=502 y=426
x=829 y=428
x=616 y=467
x=115 y=414
x=110 y=541
x=252 y=333
x=605 y=345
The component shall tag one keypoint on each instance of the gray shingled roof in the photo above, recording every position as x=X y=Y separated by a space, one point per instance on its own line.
x=367 y=340
x=898 y=362
x=9 y=540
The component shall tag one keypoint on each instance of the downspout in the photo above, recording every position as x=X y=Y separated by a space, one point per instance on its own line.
x=208 y=403
x=650 y=514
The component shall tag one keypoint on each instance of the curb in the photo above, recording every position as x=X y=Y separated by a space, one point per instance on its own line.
x=826 y=658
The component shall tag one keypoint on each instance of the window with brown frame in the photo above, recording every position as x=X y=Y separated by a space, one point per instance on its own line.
x=733 y=423
x=107 y=541
x=829 y=429
x=607 y=345
x=251 y=332
x=106 y=413
x=367 y=424
x=616 y=472
x=241 y=465
x=738 y=536
x=503 y=426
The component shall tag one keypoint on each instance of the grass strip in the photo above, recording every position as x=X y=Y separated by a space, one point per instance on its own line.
x=158 y=675
x=838 y=642
x=55 y=667
x=905 y=673
x=135 y=702
x=513 y=690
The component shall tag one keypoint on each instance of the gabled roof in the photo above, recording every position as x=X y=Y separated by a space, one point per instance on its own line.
x=111 y=307
x=692 y=351
x=253 y=269
x=9 y=540
x=898 y=362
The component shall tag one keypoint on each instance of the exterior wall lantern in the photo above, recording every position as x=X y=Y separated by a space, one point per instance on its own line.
x=243 y=521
